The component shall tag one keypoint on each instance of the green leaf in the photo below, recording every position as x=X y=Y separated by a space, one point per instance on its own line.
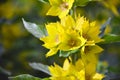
x=111 y=38
x=36 y=30
x=4 y=71
x=103 y=27
x=24 y=77
x=39 y=66
x=67 y=53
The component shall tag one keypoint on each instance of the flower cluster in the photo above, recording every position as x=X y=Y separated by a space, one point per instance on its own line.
x=78 y=71
x=70 y=34
x=74 y=38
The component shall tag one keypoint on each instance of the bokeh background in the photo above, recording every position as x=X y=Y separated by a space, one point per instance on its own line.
x=18 y=47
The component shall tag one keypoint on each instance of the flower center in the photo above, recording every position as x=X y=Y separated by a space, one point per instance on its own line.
x=57 y=39
x=64 y=6
x=86 y=36
x=72 y=43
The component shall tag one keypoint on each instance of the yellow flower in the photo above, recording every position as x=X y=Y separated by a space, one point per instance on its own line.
x=90 y=31
x=53 y=39
x=60 y=7
x=68 y=71
x=68 y=23
x=78 y=71
x=71 y=41
x=62 y=36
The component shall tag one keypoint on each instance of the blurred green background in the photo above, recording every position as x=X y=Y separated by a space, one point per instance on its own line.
x=18 y=47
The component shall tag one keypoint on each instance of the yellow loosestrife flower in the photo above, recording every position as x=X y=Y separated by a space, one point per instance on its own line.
x=68 y=71
x=71 y=39
x=90 y=31
x=53 y=39
x=78 y=71
x=62 y=36
x=60 y=7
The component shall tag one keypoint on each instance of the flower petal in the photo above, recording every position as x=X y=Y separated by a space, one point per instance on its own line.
x=54 y=11
x=52 y=52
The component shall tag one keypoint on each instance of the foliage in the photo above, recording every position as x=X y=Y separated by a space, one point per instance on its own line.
x=26 y=77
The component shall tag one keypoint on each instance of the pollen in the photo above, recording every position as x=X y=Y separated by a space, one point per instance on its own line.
x=72 y=43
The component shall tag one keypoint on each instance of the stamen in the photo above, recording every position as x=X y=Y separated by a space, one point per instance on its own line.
x=64 y=6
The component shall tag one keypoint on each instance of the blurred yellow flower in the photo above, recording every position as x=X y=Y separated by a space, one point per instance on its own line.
x=60 y=7
x=78 y=71
x=10 y=33
x=9 y=9
x=112 y=5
